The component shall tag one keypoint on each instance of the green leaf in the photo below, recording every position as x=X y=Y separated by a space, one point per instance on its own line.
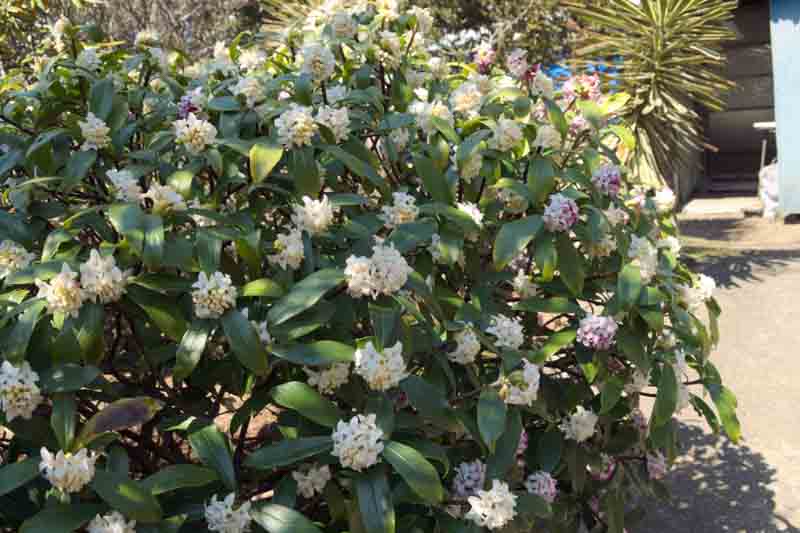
x=625 y=135
x=385 y=324
x=209 y=251
x=610 y=395
x=63 y=420
x=127 y=496
x=375 y=501
x=174 y=477
x=513 y=237
x=162 y=310
x=153 y=251
x=15 y=475
x=304 y=172
x=191 y=348
x=89 y=329
x=548 y=450
x=68 y=377
x=355 y=165
x=666 y=398
x=61 y=518
x=570 y=264
x=446 y=129
x=428 y=400
x=78 y=166
x=212 y=447
x=420 y=475
x=263 y=158
x=223 y=103
x=16 y=344
x=279 y=519
x=726 y=404
x=435 y=181
x=101 y=98
x=541 y=179
x=545 y=255
x=557 y=118
x=288 y=452
x=264 y=288
x=307 y=402
x=244 y=342
x=553 y=304
x=533 y=506
x=120 y=414
x=128 y=220
x=491 y=417
x=614 y=506
x=505 y=454
x=629 y=285
x=321 y=353
x=304 y=295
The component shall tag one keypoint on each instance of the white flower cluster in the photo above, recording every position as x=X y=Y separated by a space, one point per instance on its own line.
x=616 y=216
x=426 y=111
x=124 y=186
x=336 y=120
x=318 y=61
x=670 y=243
x=95 y=133
x=517 y=62
x=597 y=332
x=470 y=168
x=467 y=347
x=290 y=249
x=467 y=99
x=343 y=25
x=473 y=212
x=62 y=293
x=213 y=295
x=508 y=332
x=543 y=485
x=664 y=200
x=524 y=285
x=580 y=425
x=314 y=216
x=101 y=278
x=68 y=472
x=505 y=135
x=561 y=213
x=19 y=393
x=295 y=126
x=113 y=522
x=382 y=370
x=250 y=89
x=469 y=479
x=252 y=59
x=698 y=293
x=493 y=508
x=403 y=210
x=313 y=481
x=329 y=379
x=194 y=133
x=645 y=256
x=523 y=388
x=384 y=273
x=164 y=198
x=547 y=137
x=223 y=518
x=13 y=257
x=357 y=442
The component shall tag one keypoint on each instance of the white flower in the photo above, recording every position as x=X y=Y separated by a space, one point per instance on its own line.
x=359 y=276
x=318 y=61
x=473 y=211
x=290 y=250
x=505 y=135
x=670 y=243
x=524 y=285
x=424 y=19
x=547 y=137
x=66 y=471
x=400 y=138
x=543 y=485
x=470 y=168
x=95 y=133
x=314 y=216
x=645 y=256
x=223 y=518
x=313 y=481
x=213 y=295
x=252 y=59
x=88 y=59
x=113 y=522
x=251 y=89
x=403 y=211
x=328 y=379
x=580 y=425
x=13 y=257
x=467 y=347
x=343 y=25
x=357 y=442
x=426 y=111
x=543 y=85
x=469 y=479
x=222 y=59
x=517 y=62
x=695 y=296
x=561 y=213
x=260 y=327
x=597 y=332
x=524 y=391
x=164 y=198
x=387 y=272
x=508 y=331
x=101 y=279
x=58 y=30
x=19 y=394
x=124 y=185
x=390 y=49
x=336 y=120
x=336 y=93
x=296 y=127
x=63 y=293
x=466 y=99
x=493 y=508
x=640 y=379
x=382 y=370
x=194 y=133
x=616 y=216
x=664 y=200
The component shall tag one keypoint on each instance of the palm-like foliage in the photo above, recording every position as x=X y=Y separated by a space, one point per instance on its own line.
x=669 y=57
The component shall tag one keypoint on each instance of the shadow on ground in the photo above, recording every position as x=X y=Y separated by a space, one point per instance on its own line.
x=731 y=268
x=716 y=487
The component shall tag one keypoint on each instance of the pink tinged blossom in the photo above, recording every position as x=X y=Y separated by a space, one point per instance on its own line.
x=597 y=332
x=561 y=213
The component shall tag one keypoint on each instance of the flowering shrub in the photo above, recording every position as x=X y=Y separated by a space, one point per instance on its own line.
x=338 y=286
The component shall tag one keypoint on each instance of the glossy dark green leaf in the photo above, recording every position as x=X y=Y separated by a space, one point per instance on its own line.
x=491 y=417
x=375 y=501
x=435 y=181
x=244 y=341
x=551 y=304
x=307 y=402
x=121 y=414
x=263 y=287
x=127 y=496
x=153 y=250
x=213 y=449
x=541 y=179
x=16 y=343
x=629 y=285
x=304 y=295
x=505 y=453
x=420 y=475
x=320 y=353
x=101 y=98
x=263 y=158
x=174 y=477
x=62 y=420
x=191 y=348
x=666 y=398
x=726 y=404
x=162 y=310
x=89 y=329
x=279 y=519
x=288 y=452
x=513 y=237
x=610 y=394
x=15 y=475
x=570 y=264
x=61 y=518
x=548 y=450
x=68 y=377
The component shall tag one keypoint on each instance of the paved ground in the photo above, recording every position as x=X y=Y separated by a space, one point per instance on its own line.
x=753 y=487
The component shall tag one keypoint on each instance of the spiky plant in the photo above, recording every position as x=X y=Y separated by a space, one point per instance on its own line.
x=668 y=56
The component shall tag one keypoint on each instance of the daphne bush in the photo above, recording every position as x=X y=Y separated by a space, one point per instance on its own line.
x=339 y=285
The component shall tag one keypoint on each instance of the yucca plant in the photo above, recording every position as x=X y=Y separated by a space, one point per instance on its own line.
x=668 y=55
